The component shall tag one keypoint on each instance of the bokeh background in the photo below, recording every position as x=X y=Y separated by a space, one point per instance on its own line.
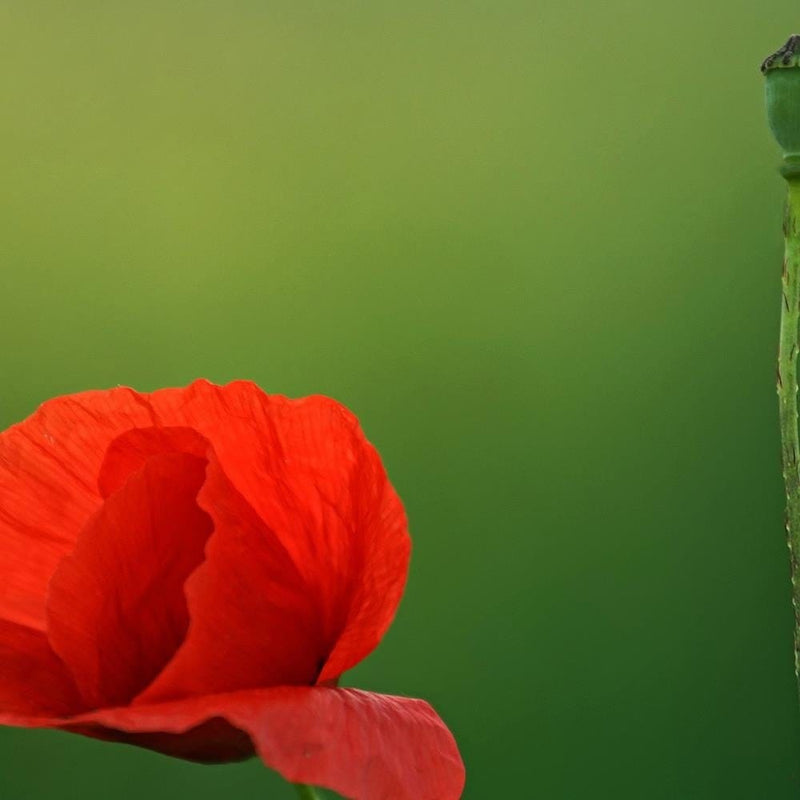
x=535 y=246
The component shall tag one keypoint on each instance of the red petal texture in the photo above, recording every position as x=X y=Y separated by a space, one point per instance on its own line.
x=254 y=622
x=304 y=466
x=130 y=452
x=117 y=611
x=48 y=489
x=362 y=745
x=309 y=473
x=33 y=680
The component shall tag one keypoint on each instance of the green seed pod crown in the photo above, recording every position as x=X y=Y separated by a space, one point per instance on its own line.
x=782 y=73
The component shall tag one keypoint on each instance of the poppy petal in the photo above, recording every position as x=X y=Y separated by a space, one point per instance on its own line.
x=213 y=741
x=34 y=680
x=362 y=745
x=116 y=609
x=253 y=620
x=309 y=473
x=48 y=489
x=130 y=451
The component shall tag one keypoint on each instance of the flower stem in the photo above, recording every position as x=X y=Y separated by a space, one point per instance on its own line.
x=787 y=394
x=306 y=792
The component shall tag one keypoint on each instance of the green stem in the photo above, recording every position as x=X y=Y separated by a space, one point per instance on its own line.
x=306 y=792
x=787 y=395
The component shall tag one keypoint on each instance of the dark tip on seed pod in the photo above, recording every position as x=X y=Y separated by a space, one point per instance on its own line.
x=786 y=56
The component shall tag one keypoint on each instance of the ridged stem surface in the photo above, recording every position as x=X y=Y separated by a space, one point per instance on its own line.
x=787 y=395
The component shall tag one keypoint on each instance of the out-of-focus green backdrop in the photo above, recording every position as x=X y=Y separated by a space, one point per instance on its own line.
x=536 y=247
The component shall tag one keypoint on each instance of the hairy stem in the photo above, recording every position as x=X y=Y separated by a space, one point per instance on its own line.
x=306 y=792
x=787 y=395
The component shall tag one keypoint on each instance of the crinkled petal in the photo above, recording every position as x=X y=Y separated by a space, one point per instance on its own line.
x=302 y=466
x=308 y=472
x=48 y=489
x=365 y=746
x=129 y=452
x=33 y=680
x=253 y=619
x=117 y=610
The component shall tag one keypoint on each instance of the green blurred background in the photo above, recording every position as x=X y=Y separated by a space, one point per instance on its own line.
x=535 y=246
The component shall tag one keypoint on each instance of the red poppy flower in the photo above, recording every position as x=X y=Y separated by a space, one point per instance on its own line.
x=193 y=570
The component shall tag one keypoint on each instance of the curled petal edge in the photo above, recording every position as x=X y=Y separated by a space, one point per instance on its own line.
x=363 y=745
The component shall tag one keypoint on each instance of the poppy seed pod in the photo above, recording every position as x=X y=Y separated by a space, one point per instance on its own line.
x=782 y=73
